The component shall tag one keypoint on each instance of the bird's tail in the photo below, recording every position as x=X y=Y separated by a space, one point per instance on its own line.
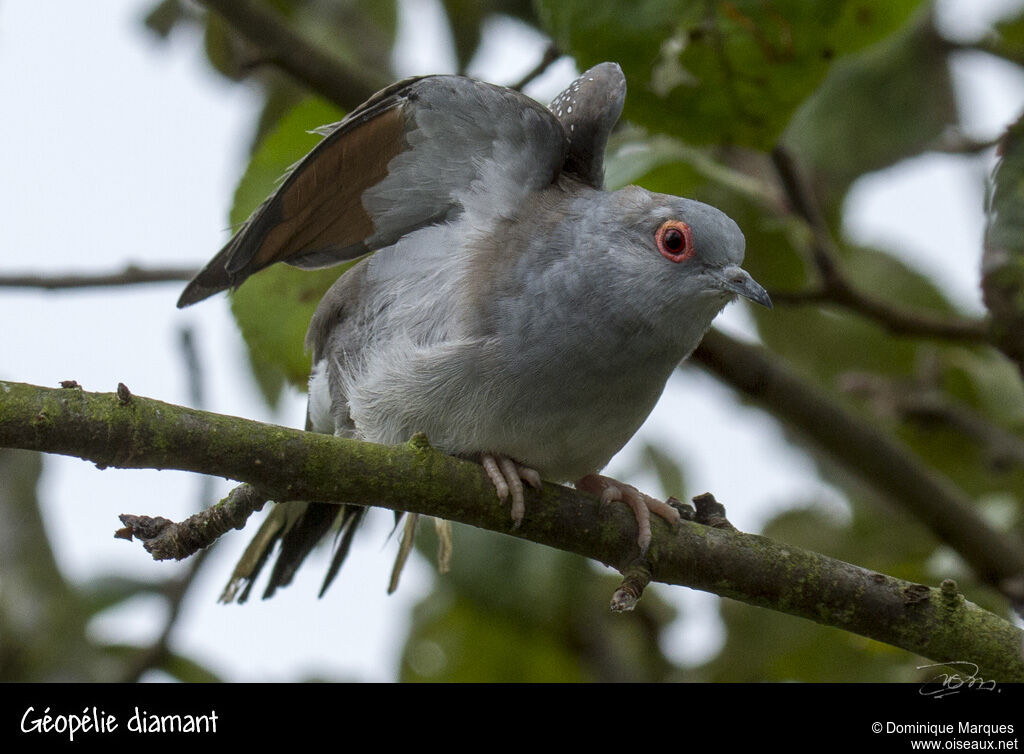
x=298 y=527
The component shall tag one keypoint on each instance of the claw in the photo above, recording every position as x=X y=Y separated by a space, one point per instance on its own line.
x=612 y=491
x=530 y=476
x=515 y=485
x=507 y=477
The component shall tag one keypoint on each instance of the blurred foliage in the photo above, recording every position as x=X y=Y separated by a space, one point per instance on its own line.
x=845 y=128
x=762 y=645
x=514 y=611
x=727 y=71
x=1008 y=41
x=850 y=87
x=359 y=32
x=467 y=17
x=44 y=618
x=274 y=308
x=1003 y=261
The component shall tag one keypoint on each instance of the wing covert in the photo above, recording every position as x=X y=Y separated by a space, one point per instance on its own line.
x=414 y=154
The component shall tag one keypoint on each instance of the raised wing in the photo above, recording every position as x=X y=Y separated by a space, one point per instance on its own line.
x=588 y=109
x=412 y=155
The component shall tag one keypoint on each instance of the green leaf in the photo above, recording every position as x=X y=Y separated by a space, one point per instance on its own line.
x=164 y=16
x=187 y=670
x=105 y=592
x=633 y=156
x=730 y=71
x=284 y=146
x=873 y=109
x=273 y=308
x=668 y=469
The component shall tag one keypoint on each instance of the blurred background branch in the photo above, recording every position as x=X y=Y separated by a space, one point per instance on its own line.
x=277 y=44
x=130 y=275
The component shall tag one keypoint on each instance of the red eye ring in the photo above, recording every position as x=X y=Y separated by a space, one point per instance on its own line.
x=675 y=242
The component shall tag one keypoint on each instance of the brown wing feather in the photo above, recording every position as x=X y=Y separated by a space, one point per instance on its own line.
x=320 y=209
x=316 y=217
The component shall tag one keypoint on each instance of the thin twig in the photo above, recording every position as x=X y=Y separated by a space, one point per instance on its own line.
x=166 y=540
x=926 y=403
x=835 y=288
x=955 y=141
x=130 y=275
x=551 y=54
x=636 y=577
x=990 y=44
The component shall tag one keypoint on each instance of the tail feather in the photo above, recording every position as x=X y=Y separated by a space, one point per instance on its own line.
x=298 y=541
x=255 y=556
x=299 y=527
x=350 y=518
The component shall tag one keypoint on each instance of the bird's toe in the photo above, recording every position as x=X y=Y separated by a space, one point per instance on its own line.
x=507 y=476
x=613 y=491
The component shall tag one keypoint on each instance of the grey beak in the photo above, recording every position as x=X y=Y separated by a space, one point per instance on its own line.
x=737 y=280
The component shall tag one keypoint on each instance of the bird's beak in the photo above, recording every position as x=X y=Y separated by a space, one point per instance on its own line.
x=737 y=280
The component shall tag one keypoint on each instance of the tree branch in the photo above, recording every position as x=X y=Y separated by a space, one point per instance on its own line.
x=884 y=464
x=156 y=653
x=835 y=287
x=119 y=429
x=293 y=53
x=927 y=404
x=551 y=54
x=989 y=44
x=129 y=275
x=175 y=591
x=955 y=141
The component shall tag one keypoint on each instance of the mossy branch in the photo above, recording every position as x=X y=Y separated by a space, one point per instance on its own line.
x=127 y=431
x=882 y=462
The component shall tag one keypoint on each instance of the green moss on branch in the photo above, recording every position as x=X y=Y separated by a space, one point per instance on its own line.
x=287 y=464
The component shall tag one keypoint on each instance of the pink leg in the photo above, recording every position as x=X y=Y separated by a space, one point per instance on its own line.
x=642 y=505
x=507 y=477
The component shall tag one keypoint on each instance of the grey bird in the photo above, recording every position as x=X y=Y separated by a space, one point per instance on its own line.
x=513 y=309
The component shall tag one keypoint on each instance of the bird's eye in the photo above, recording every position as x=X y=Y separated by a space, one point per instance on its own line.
x=675 y=242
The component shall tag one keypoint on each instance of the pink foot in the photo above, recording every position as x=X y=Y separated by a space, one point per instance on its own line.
x=507 y=476
x=642 y=505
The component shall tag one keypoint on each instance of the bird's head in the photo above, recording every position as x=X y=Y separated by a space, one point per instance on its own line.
x=687 y=254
